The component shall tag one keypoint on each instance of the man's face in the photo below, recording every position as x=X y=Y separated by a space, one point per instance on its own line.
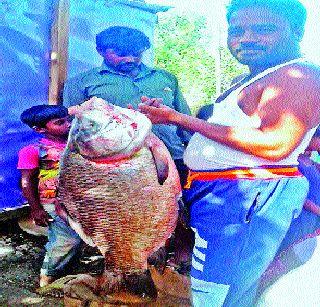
x=124 y=62
x=58 y=126
x=259 y=37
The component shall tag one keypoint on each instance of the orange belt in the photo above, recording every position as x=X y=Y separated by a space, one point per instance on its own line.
x=249 y=173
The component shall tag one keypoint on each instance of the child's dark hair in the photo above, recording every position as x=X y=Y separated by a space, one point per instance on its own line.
x=39 y=115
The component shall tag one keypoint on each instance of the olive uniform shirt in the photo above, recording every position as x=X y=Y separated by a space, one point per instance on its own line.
x=121 y=90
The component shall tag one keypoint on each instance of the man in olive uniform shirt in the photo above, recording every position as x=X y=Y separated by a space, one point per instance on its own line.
x=123 y=80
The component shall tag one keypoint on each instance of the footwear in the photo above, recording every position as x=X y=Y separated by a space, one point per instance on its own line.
x=45 y=280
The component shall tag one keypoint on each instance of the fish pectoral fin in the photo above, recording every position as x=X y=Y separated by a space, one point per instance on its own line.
x=161 y=164
x=161 y=156
x=61 y=211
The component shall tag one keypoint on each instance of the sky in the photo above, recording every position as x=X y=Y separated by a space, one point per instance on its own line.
x=213 y=10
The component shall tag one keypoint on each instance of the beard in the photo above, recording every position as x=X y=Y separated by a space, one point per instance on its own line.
x=128 y=67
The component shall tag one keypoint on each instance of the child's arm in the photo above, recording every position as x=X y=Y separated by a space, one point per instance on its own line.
x=29 y=182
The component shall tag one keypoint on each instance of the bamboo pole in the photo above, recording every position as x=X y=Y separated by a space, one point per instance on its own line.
x=59 y=51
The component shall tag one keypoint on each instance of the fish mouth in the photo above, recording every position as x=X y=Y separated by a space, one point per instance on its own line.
x=108 y=153
x=111 y=159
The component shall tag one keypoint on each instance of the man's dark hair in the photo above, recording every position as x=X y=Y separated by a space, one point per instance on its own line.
x=39 y=115
x=292 y=10
x=122 y=39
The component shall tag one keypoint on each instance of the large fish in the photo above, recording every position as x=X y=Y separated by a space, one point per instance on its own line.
x=120 y=188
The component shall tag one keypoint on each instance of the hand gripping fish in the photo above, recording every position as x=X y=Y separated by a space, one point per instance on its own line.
x=119 y=187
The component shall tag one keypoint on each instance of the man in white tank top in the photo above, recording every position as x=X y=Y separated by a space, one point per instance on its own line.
x=244 y=187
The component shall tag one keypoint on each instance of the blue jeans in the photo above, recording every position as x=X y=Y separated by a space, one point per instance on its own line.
x=63 y=243
x=239 y=226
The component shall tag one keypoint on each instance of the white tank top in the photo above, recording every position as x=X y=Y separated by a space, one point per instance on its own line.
x=205 y=154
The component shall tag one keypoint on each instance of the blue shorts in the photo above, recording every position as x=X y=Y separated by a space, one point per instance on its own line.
x=239 y=226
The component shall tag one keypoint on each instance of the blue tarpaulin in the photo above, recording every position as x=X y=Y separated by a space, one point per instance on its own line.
x=25 y=28
x=25 y=45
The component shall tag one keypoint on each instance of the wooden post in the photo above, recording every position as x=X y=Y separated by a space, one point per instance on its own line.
x=59 y=51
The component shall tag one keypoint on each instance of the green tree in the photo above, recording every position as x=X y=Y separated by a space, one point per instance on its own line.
x=230 y=68
x=182 y=47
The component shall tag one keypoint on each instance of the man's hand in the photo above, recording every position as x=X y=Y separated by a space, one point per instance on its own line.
x=158 y=115
x=154 y=102
x=40 y=217
x=156 y=111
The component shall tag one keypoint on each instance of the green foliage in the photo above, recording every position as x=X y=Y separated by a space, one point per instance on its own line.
x=230 y=68
x=182 y=46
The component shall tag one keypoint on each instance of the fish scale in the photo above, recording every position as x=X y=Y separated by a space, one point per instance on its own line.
x=119 y=189
x=126 y=219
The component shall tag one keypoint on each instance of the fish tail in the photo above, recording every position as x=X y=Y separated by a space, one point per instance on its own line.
x=141 y=284
x=113 y=282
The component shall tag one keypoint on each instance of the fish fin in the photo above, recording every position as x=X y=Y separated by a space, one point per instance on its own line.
x=162 y=168
x=62 y=212
x=141 y=284
x=79 y=230
x=159 y=259
x=160 y=159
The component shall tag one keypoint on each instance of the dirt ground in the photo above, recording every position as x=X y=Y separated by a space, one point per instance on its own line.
x=21 y=257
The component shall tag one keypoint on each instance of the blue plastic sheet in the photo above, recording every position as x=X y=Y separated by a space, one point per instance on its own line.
x=25 y=34
x=24 y=77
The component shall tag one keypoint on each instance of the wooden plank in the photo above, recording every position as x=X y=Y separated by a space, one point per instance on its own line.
x=59 y=51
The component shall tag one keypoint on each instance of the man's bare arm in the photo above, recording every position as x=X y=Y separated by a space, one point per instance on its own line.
x=285 y=117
